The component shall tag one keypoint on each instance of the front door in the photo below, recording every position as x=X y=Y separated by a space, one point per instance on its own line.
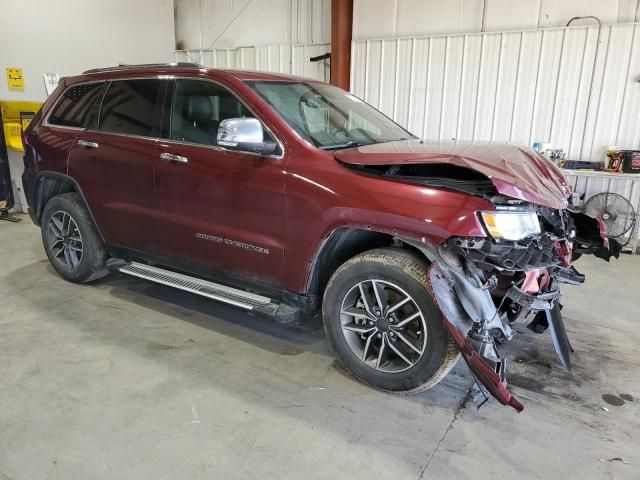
x=221 y=208
x=113 y=163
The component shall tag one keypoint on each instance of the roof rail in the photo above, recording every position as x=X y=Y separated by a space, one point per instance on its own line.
x=124 y=66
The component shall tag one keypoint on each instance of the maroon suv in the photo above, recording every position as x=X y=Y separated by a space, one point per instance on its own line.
x=282 y=195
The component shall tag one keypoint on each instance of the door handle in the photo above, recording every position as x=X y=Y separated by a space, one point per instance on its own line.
x=87 y=144
x=170 y=157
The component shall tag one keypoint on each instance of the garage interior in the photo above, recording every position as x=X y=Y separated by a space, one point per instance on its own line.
x=127 y=379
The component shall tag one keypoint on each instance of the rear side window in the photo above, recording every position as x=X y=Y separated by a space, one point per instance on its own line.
x=79 y=106
x=131 y=107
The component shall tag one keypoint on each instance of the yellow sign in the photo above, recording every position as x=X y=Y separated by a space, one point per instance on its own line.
x=15 y=80
x=16 y=116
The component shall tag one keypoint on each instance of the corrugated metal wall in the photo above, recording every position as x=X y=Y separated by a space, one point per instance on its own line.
x=575 y=87
x=215 y=24
x=293 y=59
x=402 y=18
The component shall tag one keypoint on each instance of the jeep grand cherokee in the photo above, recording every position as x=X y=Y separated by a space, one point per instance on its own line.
x=282 y=195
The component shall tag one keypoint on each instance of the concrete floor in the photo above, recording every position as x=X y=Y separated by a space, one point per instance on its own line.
x=124 y=379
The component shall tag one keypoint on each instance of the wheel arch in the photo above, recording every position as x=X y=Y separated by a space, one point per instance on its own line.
x=47 y=185
x=341 y=245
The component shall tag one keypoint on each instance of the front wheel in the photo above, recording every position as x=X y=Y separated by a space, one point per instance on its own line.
x=383 y=324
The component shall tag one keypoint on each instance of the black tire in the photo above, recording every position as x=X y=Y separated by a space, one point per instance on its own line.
x=408 y=271
x=89 y=263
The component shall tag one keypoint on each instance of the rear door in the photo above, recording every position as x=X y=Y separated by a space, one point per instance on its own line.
x=113 y=161
x=221 y=208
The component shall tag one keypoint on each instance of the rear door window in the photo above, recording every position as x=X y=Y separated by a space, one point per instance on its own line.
x=79 y=106
x=131 y=107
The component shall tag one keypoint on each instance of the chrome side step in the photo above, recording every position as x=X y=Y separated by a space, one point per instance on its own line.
x=215 y=291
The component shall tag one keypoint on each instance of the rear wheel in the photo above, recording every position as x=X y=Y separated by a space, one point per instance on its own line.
x=71 y=240
x=383 y=324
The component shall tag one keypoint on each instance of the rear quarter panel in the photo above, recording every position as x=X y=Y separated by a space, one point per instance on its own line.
x=46 y=147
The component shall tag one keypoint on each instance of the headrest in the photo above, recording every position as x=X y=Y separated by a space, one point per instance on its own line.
x=197 y=108
x=228 y=107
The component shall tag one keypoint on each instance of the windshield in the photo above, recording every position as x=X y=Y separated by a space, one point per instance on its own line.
x=327 y=116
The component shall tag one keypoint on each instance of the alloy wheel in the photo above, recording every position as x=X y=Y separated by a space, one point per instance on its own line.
x=64 y=239
x=383 y=326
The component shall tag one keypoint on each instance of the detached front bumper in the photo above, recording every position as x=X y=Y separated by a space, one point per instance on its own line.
x=477 y=347
x=484 y=285
x=479 y=302
x=483 y=360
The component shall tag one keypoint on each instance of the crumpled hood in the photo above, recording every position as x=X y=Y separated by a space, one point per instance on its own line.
x=515 y=171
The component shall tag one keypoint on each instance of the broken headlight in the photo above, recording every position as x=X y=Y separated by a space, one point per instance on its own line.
x=511 y=225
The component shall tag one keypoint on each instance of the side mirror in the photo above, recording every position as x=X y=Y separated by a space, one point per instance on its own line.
x=244 y=134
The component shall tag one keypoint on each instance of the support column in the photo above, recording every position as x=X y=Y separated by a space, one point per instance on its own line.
x=341 y=28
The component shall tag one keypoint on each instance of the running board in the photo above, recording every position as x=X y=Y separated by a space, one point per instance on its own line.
x=215 y=291
x=280 y=312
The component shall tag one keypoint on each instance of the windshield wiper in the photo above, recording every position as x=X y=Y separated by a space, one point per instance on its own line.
x=353 y=143
x=338 y=146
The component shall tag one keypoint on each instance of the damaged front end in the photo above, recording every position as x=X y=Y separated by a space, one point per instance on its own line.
x=484 y=285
